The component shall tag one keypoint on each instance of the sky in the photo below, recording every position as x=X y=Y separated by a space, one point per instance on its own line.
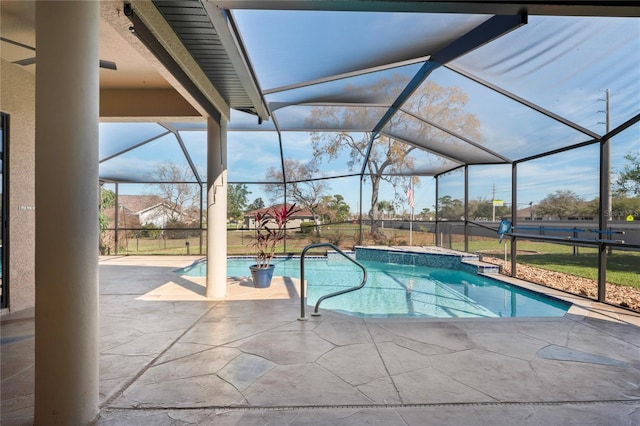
x=254 y=152
x=563 y=65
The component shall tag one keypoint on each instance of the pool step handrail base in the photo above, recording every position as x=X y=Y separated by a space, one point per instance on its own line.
x=303 y=297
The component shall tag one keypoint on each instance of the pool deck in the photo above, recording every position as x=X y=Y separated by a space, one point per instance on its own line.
x=169 y=355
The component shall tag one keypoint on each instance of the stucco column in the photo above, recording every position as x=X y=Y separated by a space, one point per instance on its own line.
x=216 y=209
x=66 y=163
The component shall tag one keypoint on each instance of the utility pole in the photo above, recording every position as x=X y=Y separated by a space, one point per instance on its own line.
x=607 y=165
x=610 y=207
x=493 y=203
x=605 y=205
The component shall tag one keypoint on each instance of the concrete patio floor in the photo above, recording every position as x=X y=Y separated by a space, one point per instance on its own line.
x=169 y=356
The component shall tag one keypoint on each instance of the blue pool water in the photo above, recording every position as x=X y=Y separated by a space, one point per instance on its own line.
x=394 y=290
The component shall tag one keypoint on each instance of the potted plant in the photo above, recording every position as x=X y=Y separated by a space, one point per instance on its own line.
x=270 y=229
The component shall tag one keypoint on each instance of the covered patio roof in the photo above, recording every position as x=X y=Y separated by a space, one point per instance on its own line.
x=462 y=82
x=531 y=83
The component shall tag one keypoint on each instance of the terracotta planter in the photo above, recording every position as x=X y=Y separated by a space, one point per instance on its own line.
x=261 y=276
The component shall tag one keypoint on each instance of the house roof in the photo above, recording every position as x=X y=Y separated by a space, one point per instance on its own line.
x=525 y=212
x=366 y=66
x=126 y=217
x=301 y=214
x=139 y=203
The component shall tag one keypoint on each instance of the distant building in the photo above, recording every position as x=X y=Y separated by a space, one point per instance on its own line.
x=145 y=210
x=528 y=213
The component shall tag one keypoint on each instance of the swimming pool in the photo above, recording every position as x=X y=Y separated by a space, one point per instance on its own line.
x=395 y=290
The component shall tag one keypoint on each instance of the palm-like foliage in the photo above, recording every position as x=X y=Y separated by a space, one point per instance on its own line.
x=268 y=236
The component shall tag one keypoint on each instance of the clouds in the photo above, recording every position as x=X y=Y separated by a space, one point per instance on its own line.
x=250 y=154
x=576 y=170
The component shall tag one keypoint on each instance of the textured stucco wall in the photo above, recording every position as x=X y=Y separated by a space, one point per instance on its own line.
x=17 y=98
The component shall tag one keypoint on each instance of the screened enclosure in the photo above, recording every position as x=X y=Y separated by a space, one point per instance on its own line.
x=474 y=117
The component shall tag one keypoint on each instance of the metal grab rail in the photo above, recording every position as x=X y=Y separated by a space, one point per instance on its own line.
x=303 y=297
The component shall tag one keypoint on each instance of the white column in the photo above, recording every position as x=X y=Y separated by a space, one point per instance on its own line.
x=216 y=209
x=67 y=115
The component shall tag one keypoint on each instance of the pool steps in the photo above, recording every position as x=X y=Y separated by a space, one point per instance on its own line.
x=482 y=267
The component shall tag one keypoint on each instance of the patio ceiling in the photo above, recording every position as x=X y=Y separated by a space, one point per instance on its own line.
x=529 y=77
x=533 y=81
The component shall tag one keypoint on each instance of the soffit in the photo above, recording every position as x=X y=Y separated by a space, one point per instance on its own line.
x=360 y=61
x=211 y=50
x=17 y=28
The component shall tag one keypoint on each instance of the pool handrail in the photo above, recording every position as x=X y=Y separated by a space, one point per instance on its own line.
x=303 y=297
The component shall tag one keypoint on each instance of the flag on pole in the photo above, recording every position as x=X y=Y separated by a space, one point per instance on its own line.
x=409 y=193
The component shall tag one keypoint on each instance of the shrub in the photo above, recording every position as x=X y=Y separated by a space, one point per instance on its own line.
x=307 y=227
x=150 y=230
x=381 y=239
x=315 y=238
x=336 y=238
x=175 y=229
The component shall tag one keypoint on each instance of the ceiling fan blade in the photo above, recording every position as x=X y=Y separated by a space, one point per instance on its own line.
x=25 y=62
x=30 y=61
x=108 y=65
x=103 y=64
x=15 y=43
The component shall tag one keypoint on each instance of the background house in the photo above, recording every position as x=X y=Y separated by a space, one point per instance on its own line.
x=146 y=210
x=299 y=217
x=528 y=213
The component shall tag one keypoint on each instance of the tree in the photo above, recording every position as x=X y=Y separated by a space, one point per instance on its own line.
x=324 y=209
x=426 y=214
x=237 y=201
x=334 y=208
x=172 y=184
x=482 y=209
x=450 y=208
x=256 y=205
x=307 y=193
x=562 y=204
x=591 y=209
x=628 y=181
x=390 y=159
x=622 y=208
x=107 y=200
x=386 y=207
x=626 y=206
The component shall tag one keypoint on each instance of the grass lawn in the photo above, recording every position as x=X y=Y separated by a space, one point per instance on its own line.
x=623 y=267
x=168 y=246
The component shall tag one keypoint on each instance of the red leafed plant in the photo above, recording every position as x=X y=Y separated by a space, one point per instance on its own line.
x=270 y=230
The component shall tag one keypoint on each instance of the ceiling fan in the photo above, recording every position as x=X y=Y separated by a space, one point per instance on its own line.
x=29 y=61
